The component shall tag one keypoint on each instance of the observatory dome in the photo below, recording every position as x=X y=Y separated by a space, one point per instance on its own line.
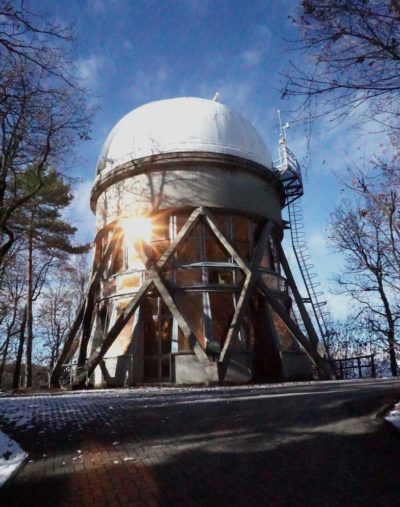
x=184 y=124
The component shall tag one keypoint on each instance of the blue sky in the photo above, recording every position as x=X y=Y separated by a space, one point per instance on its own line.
x=129 y=52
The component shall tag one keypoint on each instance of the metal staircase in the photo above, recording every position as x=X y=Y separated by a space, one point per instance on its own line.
x=290 y=176
x=289 y=173
x=307 y=270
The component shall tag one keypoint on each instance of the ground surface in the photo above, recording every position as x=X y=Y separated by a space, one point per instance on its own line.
x=11 y=457
x=323 y=444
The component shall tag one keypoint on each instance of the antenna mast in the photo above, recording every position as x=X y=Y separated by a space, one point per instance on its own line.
x=290 y=175
x=282 y=128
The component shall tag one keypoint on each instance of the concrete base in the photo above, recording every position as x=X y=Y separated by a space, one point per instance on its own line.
x=296 y=366
x=188 y=370
x=114 y=372
x=239 y=368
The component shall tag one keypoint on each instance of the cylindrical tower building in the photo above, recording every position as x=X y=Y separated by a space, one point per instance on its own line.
x=187 y=284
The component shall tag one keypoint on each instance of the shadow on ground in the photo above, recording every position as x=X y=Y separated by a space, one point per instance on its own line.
x=311 y=447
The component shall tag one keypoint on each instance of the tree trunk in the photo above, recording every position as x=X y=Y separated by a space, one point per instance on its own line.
x=7 y=341
x=391 y=337
x=29 y=319
x=4 y=355
x=392 y=353
x=18 y=360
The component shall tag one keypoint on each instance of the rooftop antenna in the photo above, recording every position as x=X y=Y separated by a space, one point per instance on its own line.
x=282 y=128
x=217 y=96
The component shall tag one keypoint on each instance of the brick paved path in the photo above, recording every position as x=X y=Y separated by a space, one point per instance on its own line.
x=312 y=445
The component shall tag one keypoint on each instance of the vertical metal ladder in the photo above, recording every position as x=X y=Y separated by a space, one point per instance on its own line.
x=307 y=270
x=290 y=176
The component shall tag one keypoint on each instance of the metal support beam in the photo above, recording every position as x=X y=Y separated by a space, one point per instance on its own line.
x=299 y=300
x=224 y=242
x=154 y=271
x=154 y=278
x=54 y=380
x=184 y=326
x=321 y=365
x=323 y=368
x=241 y=307
x=186 y=229
x=98 y=354
x=113 y=246
x=71 y=343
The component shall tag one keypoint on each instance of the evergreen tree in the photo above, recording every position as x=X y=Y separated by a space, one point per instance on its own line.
x=43 y=110
x=48 y=239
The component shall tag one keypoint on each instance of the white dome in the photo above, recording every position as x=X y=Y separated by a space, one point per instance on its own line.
x=184 y=124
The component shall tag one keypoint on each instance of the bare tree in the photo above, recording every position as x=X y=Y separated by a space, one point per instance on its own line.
x=35 y=280
x=347 y=64
x=348 y=60
x=12 y=290
x=362 y=233
x=48 y=297
x=42 y=110
x=379 y=190
x=61 y=299
x=29 y=37
x=353 y=337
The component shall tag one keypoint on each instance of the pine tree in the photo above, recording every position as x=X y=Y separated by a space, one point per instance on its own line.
x=48 y=239
x=43 y=107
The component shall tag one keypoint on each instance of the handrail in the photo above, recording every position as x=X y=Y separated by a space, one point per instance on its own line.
x=309 y=276
x=289 y=171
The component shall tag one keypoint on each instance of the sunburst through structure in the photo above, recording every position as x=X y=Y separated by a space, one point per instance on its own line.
x=190 y=283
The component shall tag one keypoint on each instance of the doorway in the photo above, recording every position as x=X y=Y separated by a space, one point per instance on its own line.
x=157 y=333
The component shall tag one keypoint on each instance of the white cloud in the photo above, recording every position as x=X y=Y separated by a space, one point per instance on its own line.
x=148 y=86
x=339 y=305
x=260 y=41
x=236 y=93
x=263 y=33
x=317 y=243
x=337 y=148
x=252 y=56
x=87 y=70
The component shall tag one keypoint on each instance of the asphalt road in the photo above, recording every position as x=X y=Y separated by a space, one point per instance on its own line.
x=320 y=444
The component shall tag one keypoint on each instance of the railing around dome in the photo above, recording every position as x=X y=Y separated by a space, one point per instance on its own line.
x=289 y=171
x=290 y=176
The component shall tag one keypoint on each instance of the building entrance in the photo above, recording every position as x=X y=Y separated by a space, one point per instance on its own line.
x=157 y=333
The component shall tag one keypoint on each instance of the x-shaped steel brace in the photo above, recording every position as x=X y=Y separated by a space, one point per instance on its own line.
x=155 y=279
x=85 y=312
x=253 y=278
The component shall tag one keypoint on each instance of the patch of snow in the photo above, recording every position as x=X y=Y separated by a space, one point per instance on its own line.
x=394 y=416
x=11 y=457
x=74 y=411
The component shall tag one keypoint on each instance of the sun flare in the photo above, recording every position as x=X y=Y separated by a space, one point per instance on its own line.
x=137 y=229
